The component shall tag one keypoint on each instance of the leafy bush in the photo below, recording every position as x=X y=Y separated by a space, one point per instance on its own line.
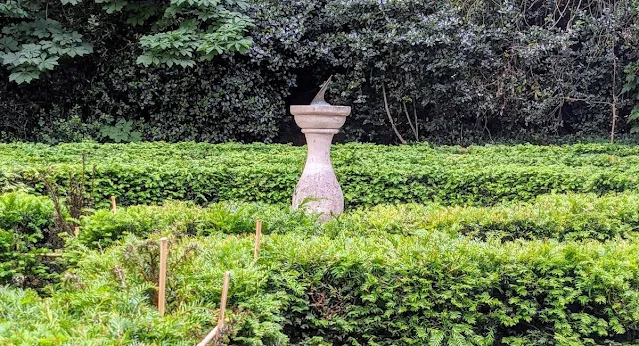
x=396 y=274
x=104 y=227
x=148 y=173
x=349 y=290
x=453 y=71
x=559 y=217
x=24 y=234
x=33 y=42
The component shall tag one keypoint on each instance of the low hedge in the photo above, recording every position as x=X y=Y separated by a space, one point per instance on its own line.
x=152 y=172
x=410 y=291
x=378 y=290
x=27 y=228
x=559 y=217
x=105 y=227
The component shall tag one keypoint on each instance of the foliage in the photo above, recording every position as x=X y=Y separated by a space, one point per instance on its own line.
x=29 y=48
x=24 y=234
x=559 y=217
x=148 y=173
x=104 y=227
x=176 y=33
x=61 y=129
x=73 y=129
x=122 y=131
x=349 y=290
x=395 y=274
x=454 y=71
x=632 y=88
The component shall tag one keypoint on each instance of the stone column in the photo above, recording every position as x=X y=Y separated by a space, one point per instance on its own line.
x=318 y=190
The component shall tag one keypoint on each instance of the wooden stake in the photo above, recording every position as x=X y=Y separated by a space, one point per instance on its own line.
x=76 y=230
x=113 y=205
x=225 y=293
x=219 y=329
x=162 y=281
x=49 y=254
x=210 y=336
x=258 y=239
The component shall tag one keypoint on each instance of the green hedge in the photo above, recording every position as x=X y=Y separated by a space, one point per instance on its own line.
x=28 y=220
x=369 y=174
x=25 y=225
x=560 y=217
x=378 y=290
x=105 y=227
x=425 y=291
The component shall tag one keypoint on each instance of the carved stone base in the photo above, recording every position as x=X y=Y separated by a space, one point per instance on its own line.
x=318 y=190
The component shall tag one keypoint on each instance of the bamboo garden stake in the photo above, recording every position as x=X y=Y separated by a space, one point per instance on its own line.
x=258 y=239
x=210 y=336
x=162 y=280
x=217 y=331
x=225 y=293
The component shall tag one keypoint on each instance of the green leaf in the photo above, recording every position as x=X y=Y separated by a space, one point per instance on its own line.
x=145 y=60
x=116 y=6
x=436 y=337
x=24 y=76
x=11 y=59
x=8 y=44
x=634 y=114
x=48 y=63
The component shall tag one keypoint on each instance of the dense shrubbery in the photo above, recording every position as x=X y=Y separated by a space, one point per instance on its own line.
x=369 y=174
x=105 y=227
x=37 y=35
x=557 y=269
x=357 y=290
x=559 y=217
x=26 y=232
x=463 y=71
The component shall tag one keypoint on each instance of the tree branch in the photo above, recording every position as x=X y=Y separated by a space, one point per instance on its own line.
x=390 y=118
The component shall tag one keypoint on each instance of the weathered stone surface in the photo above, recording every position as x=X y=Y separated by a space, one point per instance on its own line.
x=318 y=190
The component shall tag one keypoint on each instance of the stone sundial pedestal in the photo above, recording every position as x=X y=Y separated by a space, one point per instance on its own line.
x=318 y=190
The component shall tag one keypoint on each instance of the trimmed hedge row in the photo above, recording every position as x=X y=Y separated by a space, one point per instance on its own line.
x=29 y=226
x=105 y=227
x=560 y=217
x=378 y=290
x=153 y=172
